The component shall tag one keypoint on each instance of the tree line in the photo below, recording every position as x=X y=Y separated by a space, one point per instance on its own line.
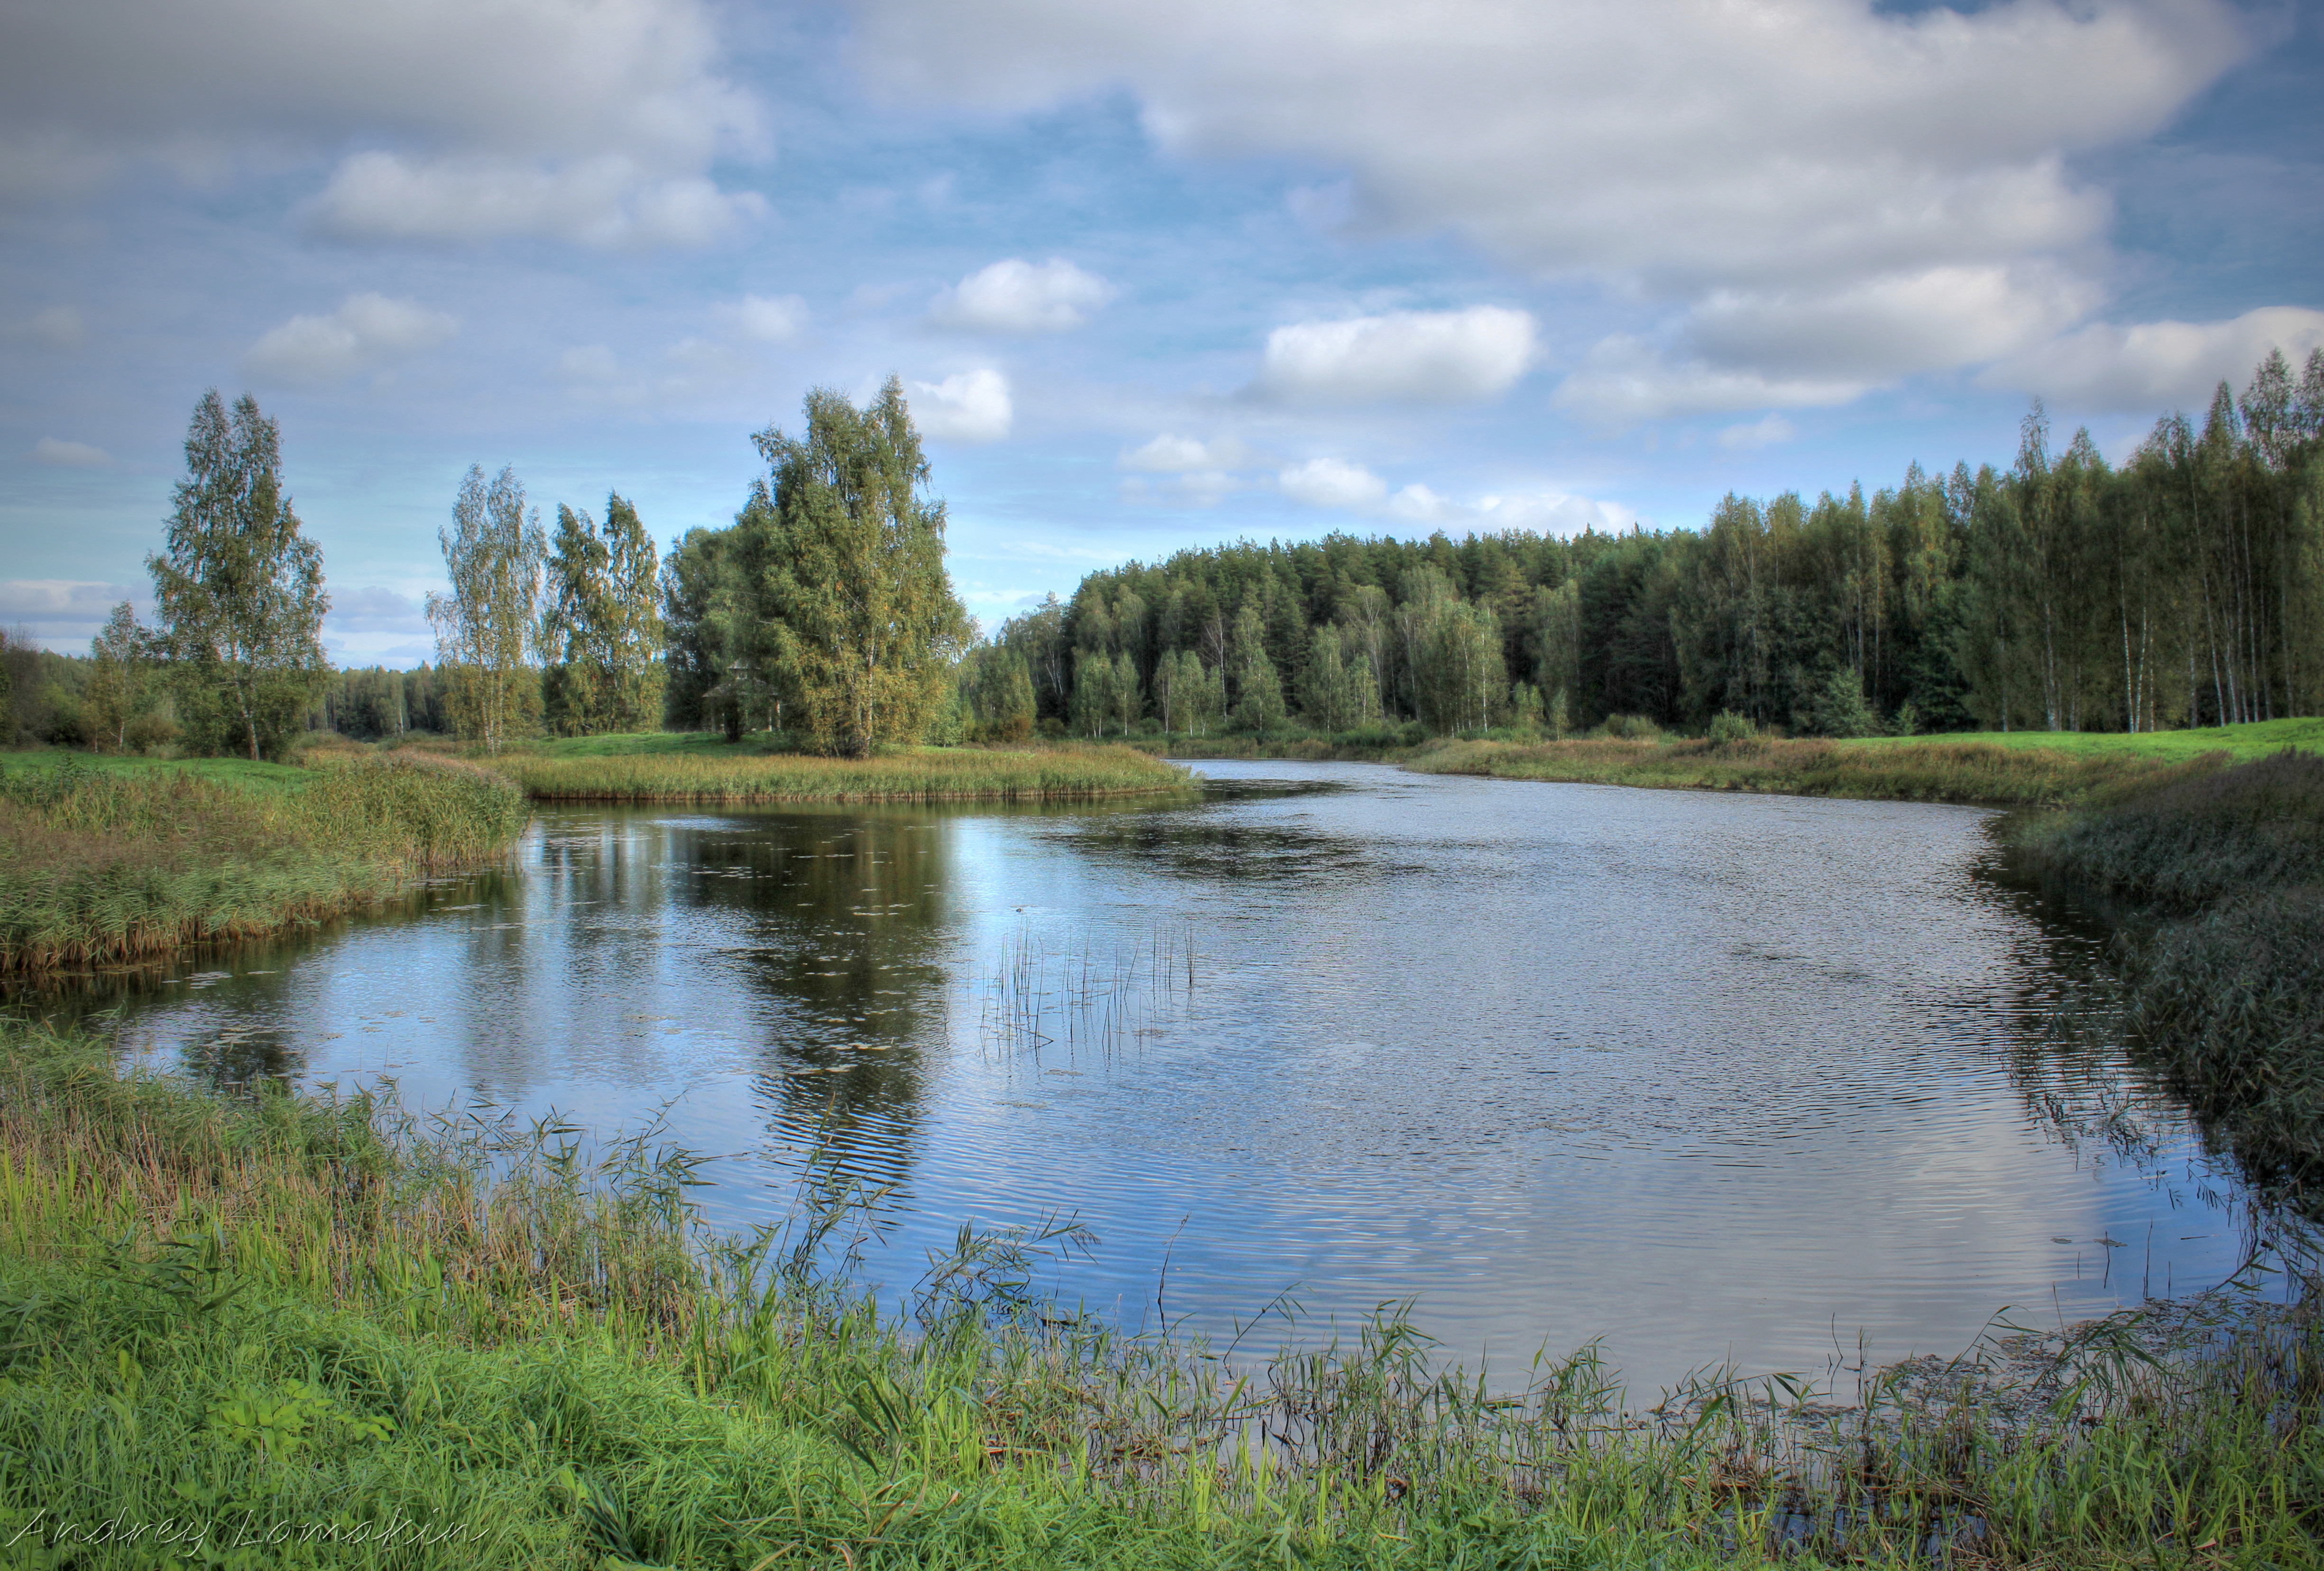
x=828 y=596
x=2184 y=586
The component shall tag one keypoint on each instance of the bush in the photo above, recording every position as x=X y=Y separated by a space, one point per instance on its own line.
x=1631 y=728
x=1728 y=727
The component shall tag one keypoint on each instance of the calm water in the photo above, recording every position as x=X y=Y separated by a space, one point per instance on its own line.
x=1713 y=1077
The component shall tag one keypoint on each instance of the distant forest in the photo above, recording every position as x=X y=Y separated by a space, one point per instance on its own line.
x=2185 y=587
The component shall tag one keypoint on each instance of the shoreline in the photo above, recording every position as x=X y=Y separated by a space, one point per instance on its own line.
x=364 y=1308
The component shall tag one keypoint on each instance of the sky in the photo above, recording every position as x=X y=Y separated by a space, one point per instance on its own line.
x=1152 y=276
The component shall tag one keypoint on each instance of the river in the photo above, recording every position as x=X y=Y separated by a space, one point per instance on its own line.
x=1714 y=1079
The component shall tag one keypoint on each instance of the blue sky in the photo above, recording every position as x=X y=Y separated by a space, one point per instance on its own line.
x=1153 y=276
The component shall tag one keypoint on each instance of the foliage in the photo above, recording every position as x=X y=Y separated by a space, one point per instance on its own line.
x=102 y=865
x=238 y=590
x=868 y=625
x=601 y=631
x=487 y=629
x=2060 y=595
x=825 y=607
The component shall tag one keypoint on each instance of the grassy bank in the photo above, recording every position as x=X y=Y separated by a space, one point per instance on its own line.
x=103 y=860
x=707 y=769
x=360 y=1338
x=1934 y=771
x=2220 y=877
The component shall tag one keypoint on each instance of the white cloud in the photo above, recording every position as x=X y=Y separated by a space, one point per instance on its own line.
x=1350 y=487
x=57 y=328
x=588 y=363
x=371 y=609
x=70 y=455
x=1403 y=356
x=1332 y=483
x=591 y=120
x=65 y=613
x=1828 y=195
x=1764 y=432
x=367 y=331
x=767 y=319
x=1624 y=379
x=1017 y=296
x=1891 y=325
x=1174 y=455
x=2158 y=364
x=607 y=203
x=972 y=406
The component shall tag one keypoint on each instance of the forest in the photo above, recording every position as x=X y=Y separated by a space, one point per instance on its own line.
x=2183 y=588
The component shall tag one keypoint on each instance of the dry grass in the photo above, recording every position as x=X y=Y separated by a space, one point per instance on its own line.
x=1062 y=773
x=99 y=865
x=1920 y=771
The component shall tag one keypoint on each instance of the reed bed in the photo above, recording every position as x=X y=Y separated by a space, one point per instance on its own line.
x=1975 y=773
x=289 y=1330
x=1072 y=773
x=2217 y=877
x=108 y=866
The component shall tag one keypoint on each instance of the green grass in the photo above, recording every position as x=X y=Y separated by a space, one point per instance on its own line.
x=104 y=861
x=2217 y=877
x=238 y=772
x=353 y=1333
x=694 y=769
x=1934 y=770
x=2237 y=742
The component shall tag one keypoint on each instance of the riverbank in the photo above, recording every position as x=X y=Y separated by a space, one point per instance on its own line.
x=2217 y=881
x=374 y=1338
x=677 y=768
x=1921 y=771
x=105 y=860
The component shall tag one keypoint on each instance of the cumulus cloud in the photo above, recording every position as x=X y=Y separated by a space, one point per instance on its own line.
x=1830 y=194
x=2158 y=364
x=70 y=455
x=1625 y=379
x=588 y=120
x=1332 y=483
x=371 y=609
x=65 y=613
x=1402 y=356
x=366 y=332
x=1017 y=296
x=57 y=328
x=767 y=319
x=607 y=202
x=1169 y=454
x=1764 y=432
x=972 y=406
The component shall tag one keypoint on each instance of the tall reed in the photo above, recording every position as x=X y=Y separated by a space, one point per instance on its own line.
x=1922 y=771
x=103 y=865
x=923 y=774
x=460 y=1339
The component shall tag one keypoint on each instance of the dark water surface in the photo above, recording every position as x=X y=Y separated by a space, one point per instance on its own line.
x=1713 y=1077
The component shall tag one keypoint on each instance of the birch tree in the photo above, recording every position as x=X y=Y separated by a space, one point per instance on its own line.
x=238 y=590
x=488 y=628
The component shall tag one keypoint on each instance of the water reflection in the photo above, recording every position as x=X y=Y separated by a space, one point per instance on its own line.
x=1711 y=1076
